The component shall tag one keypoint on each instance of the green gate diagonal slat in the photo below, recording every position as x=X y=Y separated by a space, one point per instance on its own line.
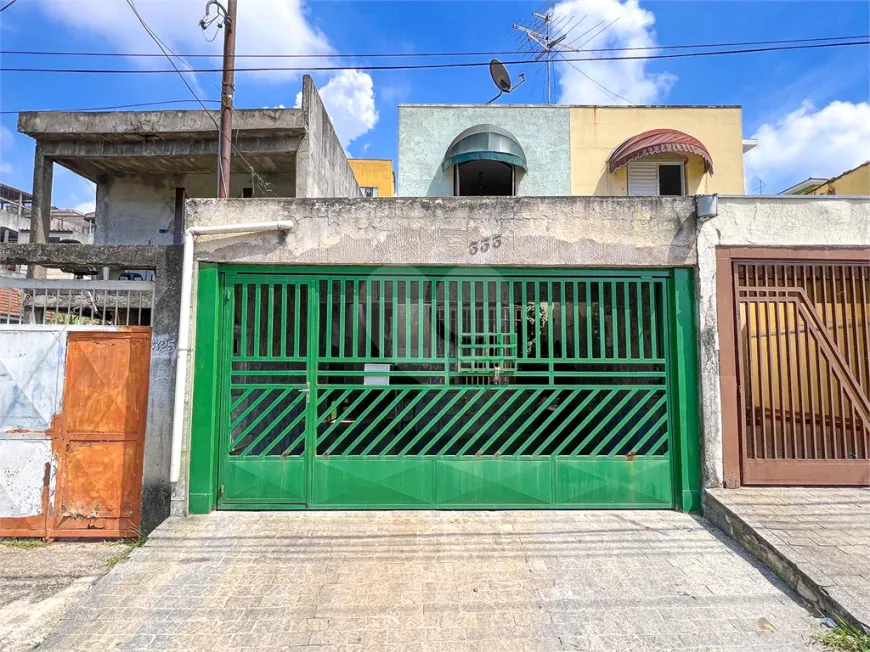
x=507 y=424
x=323 y=395
x=288 y=428
x=663 y=438
x=295 y=402
x=615 y=429
x=471 y=421
x=583 y=423
x=258 y=419
x=514 y=395
x=450 y=423
x=637 y=426
x=340 y=418
x=240 y=400
x=543 y=406
x=420 y=415
x=555 y=433
x=360 y=418
x=599 y=428
x=378 y=418
x=398 y=418
x=251 y=407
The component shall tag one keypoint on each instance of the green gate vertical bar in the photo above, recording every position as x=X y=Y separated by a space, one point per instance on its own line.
x=381 y=322
x=329 y=304
x=641 y=331
x=243 y=343
x=407 y=318
x=421 y=303
x=368 y=322
x=602 y=329
x=683 y=371
x=258 y=308
x=524 y=314
x=312 y=349
x=394 y=318
x=283 y=319
x=433 y=319
x=354 y=326
x=297 y=298
x=342 y=317
x=205 y=406
x=271 y=328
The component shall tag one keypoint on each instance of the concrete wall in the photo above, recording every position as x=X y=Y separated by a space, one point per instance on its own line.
x=546 y=231
x=425 y=133
x=322 y=169
x=597 y=131
x=778 y=221
x=166 y=264
x=140 y=210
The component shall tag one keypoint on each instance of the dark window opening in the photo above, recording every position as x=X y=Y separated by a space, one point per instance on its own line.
x=483 y=178
x=247 y=193
x=670 y=180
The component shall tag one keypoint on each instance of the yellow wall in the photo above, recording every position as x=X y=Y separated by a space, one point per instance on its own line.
x=377 y=173
x=597 y=131
x=855 y=182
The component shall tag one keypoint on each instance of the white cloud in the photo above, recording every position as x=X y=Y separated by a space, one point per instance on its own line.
x=86 y=206
x=629 y=79
x=263 y=27
x=809 y=142
x=349 y=99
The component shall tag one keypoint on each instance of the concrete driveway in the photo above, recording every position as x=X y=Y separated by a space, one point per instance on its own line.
x=455 y=581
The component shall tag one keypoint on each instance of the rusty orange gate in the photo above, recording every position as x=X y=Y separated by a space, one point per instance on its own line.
x=97 y=440
x=795 y=366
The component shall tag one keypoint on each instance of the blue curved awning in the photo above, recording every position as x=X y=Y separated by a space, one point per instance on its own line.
x=485 y=143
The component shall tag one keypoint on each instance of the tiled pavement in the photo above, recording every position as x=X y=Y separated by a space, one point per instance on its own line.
x=454 y=581
x=823 y=532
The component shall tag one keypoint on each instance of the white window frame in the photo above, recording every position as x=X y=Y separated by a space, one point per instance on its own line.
x=658 y=163
x=374 y=189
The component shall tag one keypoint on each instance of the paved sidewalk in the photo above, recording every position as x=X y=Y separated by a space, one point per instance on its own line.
x=39 y=583
x=821 y=537
x=453 y=581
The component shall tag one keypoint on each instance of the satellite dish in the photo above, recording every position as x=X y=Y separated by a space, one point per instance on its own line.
x=500 y=76
x=502 y=79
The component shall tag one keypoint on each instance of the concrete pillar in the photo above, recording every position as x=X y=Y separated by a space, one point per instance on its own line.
x=40 y=208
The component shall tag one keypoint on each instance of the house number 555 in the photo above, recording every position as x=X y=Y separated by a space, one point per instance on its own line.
x=482 y=246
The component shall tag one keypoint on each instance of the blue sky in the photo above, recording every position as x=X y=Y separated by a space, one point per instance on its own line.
x=809 y=107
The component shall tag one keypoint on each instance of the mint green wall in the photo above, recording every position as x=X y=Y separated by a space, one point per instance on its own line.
x=426 y=131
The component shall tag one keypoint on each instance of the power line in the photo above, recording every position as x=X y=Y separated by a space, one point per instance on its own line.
x=7 y=5
x=115 y=107
x=606 y=90
x=434 y=66
x=413 y=55
x=254 y=175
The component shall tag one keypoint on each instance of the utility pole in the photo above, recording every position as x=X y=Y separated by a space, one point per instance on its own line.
x=225 y=141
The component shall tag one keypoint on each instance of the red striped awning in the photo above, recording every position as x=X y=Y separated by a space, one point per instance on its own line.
x=657 y=141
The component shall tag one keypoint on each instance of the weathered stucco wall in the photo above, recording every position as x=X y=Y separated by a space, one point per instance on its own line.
x=425 y=133
x=322 y=169
x=551 y=231
x=140 y=210
x=778 y=221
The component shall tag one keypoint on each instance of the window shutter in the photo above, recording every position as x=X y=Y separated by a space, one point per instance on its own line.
x=643 y=179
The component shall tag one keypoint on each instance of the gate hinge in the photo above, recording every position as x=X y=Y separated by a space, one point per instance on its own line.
x=228 y=294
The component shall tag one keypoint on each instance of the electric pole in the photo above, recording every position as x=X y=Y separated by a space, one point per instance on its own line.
x=225 y=140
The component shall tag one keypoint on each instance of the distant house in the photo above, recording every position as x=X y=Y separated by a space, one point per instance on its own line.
x=854 y=182
x=374 y=176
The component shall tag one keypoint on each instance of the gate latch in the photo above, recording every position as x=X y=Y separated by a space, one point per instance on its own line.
x=307 y=391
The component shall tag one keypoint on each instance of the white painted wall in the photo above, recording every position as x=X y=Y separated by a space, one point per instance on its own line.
x=31 y=377
x=22 y=471
x=760 y=222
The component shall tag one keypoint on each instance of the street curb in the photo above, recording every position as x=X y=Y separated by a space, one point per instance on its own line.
x=777 y=559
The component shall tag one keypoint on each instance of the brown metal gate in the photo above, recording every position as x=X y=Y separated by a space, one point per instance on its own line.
x=800 y=328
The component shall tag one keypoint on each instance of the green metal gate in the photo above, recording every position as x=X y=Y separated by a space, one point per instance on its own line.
x=450 y=388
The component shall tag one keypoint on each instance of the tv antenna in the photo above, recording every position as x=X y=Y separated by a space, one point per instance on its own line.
x=502 y=79
x=545 y=38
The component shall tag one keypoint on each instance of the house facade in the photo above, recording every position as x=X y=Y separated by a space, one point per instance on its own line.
x=612 y=350
x=447 y=150
x=374 y=176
